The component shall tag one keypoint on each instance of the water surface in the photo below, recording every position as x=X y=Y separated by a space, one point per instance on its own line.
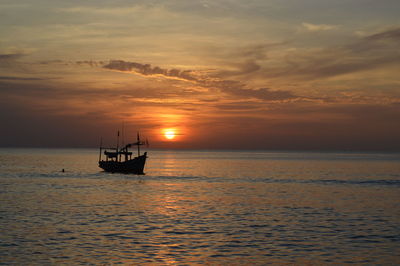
x=198 y=207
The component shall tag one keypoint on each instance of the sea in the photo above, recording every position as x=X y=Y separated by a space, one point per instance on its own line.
x=200 y=208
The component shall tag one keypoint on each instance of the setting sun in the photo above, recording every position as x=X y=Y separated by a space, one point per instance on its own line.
x=169 y=134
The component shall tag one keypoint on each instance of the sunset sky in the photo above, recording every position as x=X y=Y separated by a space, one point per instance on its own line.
x=221 y=74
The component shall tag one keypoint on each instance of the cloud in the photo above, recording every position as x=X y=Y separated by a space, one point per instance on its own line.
x=247 y=67
x=107 y=10
x=262 y=94
x=367 y=53
x=18 y=78
x=148 y=70
x=55 y=94
x=9 y=59
x=216 y=81
x=383 y=43
x=10 y=62
x=10 y=56
x=91 y=63
x=238 y=106
x=344 y=66
x=393 y=34
x=251 y=52
x=54 y=61
x=319 y=27
x=259 y=51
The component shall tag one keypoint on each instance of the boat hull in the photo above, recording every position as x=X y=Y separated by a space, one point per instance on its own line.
x=134 y=166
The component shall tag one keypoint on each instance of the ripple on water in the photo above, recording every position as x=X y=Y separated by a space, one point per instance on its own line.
x=296 y=211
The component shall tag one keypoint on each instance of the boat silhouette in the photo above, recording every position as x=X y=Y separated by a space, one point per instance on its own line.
x=119 y=160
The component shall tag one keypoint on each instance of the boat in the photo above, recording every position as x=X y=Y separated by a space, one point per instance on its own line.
x=119 y=160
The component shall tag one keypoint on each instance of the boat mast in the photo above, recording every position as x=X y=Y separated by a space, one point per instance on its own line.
x=117 y=144
x=123 y=134
x=101 y=143
x=138 y=144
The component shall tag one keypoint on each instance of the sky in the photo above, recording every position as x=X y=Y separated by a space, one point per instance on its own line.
x=221 y=74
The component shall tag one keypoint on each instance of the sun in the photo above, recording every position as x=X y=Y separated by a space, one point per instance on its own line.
x=169 y=134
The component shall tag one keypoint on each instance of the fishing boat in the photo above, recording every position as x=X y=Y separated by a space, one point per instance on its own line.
x=119 y=160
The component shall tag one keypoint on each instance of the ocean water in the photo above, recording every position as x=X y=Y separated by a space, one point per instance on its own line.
x=200 y=207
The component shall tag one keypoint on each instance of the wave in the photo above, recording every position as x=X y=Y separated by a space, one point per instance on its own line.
x=384 y=182
x=370 y=182
x=212 y=179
